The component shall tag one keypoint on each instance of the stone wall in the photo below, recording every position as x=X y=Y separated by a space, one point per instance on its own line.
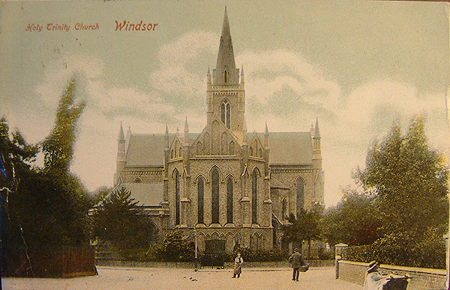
x=278 y=264
x=421 y=278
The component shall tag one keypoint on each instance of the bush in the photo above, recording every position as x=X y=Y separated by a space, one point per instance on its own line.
x=359 y=253
x=326 y=254
x=403 y=249
x=176 y=249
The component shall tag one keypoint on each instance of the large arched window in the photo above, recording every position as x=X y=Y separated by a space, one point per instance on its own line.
x=215 y=196
x=300 y=194
x=225 y=113
x=255 y=197
x=177 y=197
x=201 y=193
x=230 y=200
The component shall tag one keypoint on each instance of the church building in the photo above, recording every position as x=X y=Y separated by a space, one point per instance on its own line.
x=223 y=183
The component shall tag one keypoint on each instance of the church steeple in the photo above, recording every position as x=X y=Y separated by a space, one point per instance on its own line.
x=225 y=72
x=316 y=131
x=121 y=135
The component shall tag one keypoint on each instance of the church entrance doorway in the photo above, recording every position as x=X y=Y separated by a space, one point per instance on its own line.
x=214 y=254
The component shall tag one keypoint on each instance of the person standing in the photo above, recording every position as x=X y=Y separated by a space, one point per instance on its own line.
x=238 y=265
x=296 y=261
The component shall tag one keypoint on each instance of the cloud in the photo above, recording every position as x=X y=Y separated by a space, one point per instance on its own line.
x=282 y=88
x=187 y=47
x=176 y=80
x=268 y=72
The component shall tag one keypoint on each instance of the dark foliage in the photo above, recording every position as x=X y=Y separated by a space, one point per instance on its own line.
x=175 y=248
x=354 y=221
x=304 y=227
x=409 y=182
x=122 y=222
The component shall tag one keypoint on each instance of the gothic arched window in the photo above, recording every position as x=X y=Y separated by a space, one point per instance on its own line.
x=300 y=194
x=177 y=198
x=225 y=113
x=254 y=197
x=283 y=208
x=215 y=196
x=230 y=200
x=200 y=201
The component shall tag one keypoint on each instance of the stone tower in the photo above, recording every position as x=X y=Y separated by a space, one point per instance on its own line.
x=225 y=91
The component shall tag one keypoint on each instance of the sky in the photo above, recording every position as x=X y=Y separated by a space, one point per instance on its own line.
x=357 y=66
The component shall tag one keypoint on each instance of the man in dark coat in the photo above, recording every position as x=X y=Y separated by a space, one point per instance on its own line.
x=296 y=261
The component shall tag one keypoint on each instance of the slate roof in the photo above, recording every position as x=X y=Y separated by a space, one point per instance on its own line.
x=147 y=194
x=148 y=150
x=286 y=148
x=290 y=148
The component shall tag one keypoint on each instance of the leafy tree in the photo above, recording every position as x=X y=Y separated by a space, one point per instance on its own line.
x=122 y=222
x=304 y=227
x=50 y=205
x=17 y=155
x=354 y=221
x=58 y=146
x=409 y=180
x=100 y=194
x=51 y=213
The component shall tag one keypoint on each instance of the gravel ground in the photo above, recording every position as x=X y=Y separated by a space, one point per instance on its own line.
x=172 y=278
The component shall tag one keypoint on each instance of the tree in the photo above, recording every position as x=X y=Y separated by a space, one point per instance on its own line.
x=353 y=221
x=304 y=227
x=409 y=180
x=16 y=154
x=52 y=214
x=50 y=205
x=58 y=146
x=120 y=220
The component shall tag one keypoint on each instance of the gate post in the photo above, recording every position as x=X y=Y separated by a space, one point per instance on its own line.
x=338 y=253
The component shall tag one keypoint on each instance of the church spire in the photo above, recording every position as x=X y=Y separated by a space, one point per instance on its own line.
x=316 y=132
x=225 y=72
x=121 y=135
x=166 y=137
x=186 y=132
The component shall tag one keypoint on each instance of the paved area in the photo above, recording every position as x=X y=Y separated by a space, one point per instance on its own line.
x=164 y=278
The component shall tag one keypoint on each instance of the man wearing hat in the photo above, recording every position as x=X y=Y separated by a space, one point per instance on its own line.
x=296 y=261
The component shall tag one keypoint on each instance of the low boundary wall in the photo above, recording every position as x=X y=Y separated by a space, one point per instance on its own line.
x=421 y=278
x=280 y=264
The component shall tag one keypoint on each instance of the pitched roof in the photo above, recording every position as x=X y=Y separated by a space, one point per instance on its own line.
x=286 y=148
x=289 y=148
x=148 y=150
x=147 y=194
